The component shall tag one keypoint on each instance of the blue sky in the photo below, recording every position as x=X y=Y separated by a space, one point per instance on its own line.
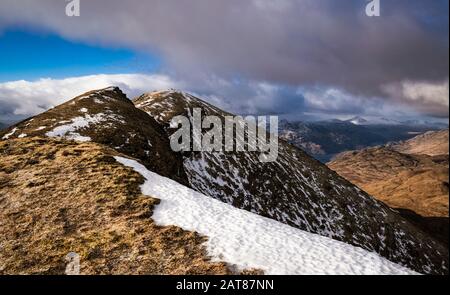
x=30 y=55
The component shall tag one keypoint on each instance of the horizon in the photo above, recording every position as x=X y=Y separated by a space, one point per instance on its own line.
x=306 y=117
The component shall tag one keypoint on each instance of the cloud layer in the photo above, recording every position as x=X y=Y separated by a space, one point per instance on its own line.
x=284 y=44
x=24 y=98
x=21 y=99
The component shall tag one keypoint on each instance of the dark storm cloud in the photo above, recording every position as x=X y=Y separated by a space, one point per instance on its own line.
x=286 y=42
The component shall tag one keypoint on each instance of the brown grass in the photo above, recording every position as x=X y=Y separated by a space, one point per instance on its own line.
x=58 y=197
x=424 y=191
x=430 y=143
x=415 y=185
x=415 y=182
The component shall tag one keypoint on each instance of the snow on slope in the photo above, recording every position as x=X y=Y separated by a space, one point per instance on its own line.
x=9 y=134
x=69 y=131
x=247 y=240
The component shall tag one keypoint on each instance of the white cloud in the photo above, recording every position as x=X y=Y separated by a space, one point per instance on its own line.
x=339 y=102
x=426 y=97
x=437 y=93
x=273 y=5
x=19 y=99
x=30 y=98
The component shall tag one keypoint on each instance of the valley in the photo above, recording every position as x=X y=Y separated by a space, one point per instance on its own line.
x=325 y=139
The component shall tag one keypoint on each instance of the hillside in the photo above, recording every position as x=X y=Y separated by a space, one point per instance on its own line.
x=60 y=196
x=392 y=176
x=295 y=190
x=415 y=184
x=431 y=143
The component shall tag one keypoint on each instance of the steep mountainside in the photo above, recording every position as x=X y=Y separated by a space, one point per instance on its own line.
x=106 y=117
x=299 y=191
x=414 y=184
x=296 y=189
x=431 y=143
x=325 y=139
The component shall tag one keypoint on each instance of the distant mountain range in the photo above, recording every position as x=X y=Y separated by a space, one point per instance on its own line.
x=325 y=139
x=295 y=190
x=358 y=120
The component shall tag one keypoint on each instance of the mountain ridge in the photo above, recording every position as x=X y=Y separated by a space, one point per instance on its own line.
x=296 y=189
x=81 y=200
x=108 y=117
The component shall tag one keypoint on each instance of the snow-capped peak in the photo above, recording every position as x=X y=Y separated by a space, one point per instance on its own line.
x=358 y=120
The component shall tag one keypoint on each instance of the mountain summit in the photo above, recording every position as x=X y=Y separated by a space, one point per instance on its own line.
x=107 y=117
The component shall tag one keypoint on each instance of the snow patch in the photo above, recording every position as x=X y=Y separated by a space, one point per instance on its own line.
x=10 y=134
x=69 y=131
x=112 y=88
x=247 y=240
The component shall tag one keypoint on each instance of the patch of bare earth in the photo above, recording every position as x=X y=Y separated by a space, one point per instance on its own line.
x=58 y=197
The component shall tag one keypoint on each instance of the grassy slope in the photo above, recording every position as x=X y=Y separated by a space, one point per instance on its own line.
x=58 y=197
